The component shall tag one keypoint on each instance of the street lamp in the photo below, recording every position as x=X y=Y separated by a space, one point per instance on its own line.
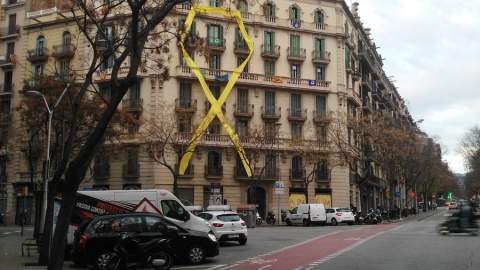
x=50 y=110
x=277 y=130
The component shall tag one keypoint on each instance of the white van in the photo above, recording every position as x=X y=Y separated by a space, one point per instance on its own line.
x=306 y=214
x=163 y=202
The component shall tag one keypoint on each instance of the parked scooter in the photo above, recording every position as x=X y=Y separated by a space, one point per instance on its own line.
x=370 y=218
x=270 y=218
x=258 y=219
x=156 y=253
x=358 y=218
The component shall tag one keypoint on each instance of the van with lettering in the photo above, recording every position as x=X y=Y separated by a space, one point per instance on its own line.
x=163 y=202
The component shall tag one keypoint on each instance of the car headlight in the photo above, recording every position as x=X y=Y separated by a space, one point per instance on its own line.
x=212 y=237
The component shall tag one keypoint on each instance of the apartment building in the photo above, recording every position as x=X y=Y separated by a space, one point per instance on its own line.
x=311 y=58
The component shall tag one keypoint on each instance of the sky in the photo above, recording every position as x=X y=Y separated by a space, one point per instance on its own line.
x=430 y=49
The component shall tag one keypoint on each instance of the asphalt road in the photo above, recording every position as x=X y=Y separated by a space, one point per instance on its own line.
x=410 y=244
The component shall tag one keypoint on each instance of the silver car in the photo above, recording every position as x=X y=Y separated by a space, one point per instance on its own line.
x=226 y=226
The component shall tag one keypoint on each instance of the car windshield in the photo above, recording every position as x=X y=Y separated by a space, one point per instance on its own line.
x=343 y=210
x=229 y=217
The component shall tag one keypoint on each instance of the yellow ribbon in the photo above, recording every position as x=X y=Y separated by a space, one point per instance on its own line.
x=215 y=109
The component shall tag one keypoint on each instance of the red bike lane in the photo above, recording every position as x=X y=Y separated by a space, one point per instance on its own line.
x=314 y=251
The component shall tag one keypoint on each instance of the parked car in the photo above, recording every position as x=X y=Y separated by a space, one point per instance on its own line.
x=226 y=224
x=339 y=215
x=96 y=236
x=453 y=205
x=307 y=214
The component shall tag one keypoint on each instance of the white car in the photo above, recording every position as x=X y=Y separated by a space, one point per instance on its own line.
x=340 y=215
x=226 y=225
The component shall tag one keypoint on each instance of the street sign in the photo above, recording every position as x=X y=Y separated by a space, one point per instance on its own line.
x=397 y=194
x=278 y=187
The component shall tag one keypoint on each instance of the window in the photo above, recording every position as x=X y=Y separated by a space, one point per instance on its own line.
x=347 y=58
x=243 y=6
x=240 y=42
x=297 y=167
x=215 y=3
x=322 y=170
x=242 y=128
x=133 y=125
x=270 y=166
x=269 y=67
x=320 y=73
x=269 y=42
x=270 y=11
x=294 y=45
x=108 y=32
x=296 y=103
x=321 y=105
x=240 y=168
x=319 y=48
x=295 y=13
x=270 y=131
x=105 y=91
x=347 y=30
x=132 y=163
x=135 y=92
x=295 y=71
x=215 y=35
x=296 y=130
x=192 y=33
x=185 y=99
x=7 y=81
x=38 y=70
x=215 y=60
x=183 y=61
x=240 y=60
x=101 y=167
x=64 y=68
x=214 y=166
x=242 y=100
x=66 y=42
x=184 y=125
x=107 y=61
x=319 y=18
x=269 y=103
x=172 y=209
x=12 y=24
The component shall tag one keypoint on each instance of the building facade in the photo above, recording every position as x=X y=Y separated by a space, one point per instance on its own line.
x=311 y=60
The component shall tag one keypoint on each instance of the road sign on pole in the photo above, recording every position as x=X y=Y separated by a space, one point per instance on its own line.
x=278 y=187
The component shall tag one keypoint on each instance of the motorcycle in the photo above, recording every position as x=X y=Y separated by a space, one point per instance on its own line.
x=358 y=218
x=129 y=252
x=452 y=224
x=270 y=218
x=370 y=218
x=258 y=219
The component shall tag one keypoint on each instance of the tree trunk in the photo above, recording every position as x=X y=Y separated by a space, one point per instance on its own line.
x=44 y=256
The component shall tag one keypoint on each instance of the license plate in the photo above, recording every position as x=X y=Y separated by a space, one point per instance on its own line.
x=233 y=236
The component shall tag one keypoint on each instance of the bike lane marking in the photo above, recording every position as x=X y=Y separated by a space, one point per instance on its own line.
x=315 y=251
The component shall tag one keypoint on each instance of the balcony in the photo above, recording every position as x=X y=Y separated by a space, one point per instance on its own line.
x=6 y=90
x=6 y=61
x=297 y=114
x=37 y=55
x=356 y=75
x=321 y=117
x=213 y=172
x=243 y=110
x=350 y=41
x=366 y=58
x=269 y=174
x=28 y=176
x=185 y=106
x=131 y=171
x=271 y=112
x=63 y=51
x=241 y=48
x=240 y=173
x=297 y=175
x=11 y=31
x=354 y=97
x=258 y=80
x=101 y=172
x=208 y=106
x=377 y=95
x=216 y=44
x=296 y=54
x=389 y=101
x=270 y=51
x=320 y=57
x=367 y=105
x=367 y=83
x=132 y=105
x=188 y=174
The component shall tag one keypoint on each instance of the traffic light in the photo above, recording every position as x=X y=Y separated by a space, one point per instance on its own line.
x=412 y=194
x=449 y=196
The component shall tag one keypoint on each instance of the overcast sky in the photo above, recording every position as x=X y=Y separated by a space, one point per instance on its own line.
x=430 y=47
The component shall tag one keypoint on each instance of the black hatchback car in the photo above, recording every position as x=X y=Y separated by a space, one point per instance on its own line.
x=96 y=236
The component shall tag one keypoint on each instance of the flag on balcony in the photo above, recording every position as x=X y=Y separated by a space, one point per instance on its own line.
x=296 y=24
x=312 y=82
x=103 y=74
x=277 y=79
x=12 y=59
x=216 y=41
x=223 y=78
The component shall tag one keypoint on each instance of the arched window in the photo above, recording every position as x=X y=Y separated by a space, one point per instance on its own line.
x=243 y=6
x=67 y=38
x=295 y=13
x=41 y=46
x=270 y=10
x=319 y=18
x=347 y=30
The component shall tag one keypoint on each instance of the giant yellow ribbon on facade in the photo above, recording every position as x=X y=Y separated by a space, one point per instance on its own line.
x=215 y=109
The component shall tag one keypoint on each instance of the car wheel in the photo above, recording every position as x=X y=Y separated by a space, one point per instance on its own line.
x=195 y=254
x=305 y=222
x=289 y=223
x=100 y=261
x=243 y=241
x=334 y=222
